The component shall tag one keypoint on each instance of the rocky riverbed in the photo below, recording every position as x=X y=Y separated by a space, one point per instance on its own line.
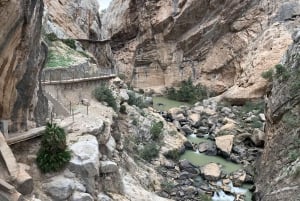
x=218 y=158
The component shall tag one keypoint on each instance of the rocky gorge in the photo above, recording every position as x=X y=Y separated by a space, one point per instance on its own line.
x=240 y=141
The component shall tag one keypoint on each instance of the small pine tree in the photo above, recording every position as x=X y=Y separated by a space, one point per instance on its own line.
x=53 y=154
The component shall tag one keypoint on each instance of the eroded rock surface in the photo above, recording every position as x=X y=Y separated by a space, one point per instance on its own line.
x=225 y=45
x=21 y=59
x=278 y=175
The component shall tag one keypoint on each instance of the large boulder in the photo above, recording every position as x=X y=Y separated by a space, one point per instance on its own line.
x=258 y=137
x=211 y=172
x=194 y=119
x=59 y=188
x=187 y=129
x=85 y=159
x=224 y=144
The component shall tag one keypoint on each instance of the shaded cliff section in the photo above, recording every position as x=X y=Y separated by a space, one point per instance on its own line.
x=279 y=166
x=79 y=20
x=21 y=59
x=223 y=44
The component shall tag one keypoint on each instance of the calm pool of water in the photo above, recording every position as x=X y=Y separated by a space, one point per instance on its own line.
x=166 y=103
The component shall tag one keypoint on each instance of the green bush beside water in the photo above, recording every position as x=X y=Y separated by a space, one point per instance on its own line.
x=188 y=92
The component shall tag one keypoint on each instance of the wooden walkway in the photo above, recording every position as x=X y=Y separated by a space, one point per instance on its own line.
x=79 y=80
x=32 y=133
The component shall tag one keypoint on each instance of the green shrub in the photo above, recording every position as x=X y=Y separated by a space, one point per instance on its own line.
x=69 y=42
x=172 y=154
x=291 y=120
x=250 y=106
x=54 y=59
x=103 y=93
x=53 y=154
x=149 y=151
x=256 y=123
x=294 y=155
x=122 y=76
x=268 y=75
x=51 y=37
x=135 y=122
x=156 y=130
x=187 y=92
x=281 y=72
x=123 y=109
x=136 y=100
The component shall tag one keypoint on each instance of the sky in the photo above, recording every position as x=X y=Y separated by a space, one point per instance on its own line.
x=104 y=4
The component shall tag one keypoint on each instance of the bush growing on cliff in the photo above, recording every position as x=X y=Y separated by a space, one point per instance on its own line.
x=149 y=151
x=69 y=42
x=156 y=130
x=53 y=154
x=268 y=75
x=103 y=93
x=281 y=72
x=188 y=92
x=136 y=100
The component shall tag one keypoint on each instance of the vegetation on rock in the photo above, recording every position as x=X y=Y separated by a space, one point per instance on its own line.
x=53 y=154
x=188 y=92
x=156 y=130
x=103 y=93
x=149 y=151
x=136 y=100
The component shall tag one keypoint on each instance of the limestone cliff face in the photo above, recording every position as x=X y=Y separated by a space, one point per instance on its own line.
x=279 y=167
x=223 y=44
x=78 y=19
x=21 y=59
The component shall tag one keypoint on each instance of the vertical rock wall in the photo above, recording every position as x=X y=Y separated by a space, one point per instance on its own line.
x=21 y=59
x=279 y=167
x=223 y=44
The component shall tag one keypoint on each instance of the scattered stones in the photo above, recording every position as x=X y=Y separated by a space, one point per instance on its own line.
x=211 y=172
x=187 y=130
x=238 y=178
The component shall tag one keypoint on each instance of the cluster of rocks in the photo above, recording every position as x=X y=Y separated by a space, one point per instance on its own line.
x=184 y=181
x=231 y=134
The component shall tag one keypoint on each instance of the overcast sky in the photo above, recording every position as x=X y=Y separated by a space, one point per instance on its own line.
x=104 y=4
